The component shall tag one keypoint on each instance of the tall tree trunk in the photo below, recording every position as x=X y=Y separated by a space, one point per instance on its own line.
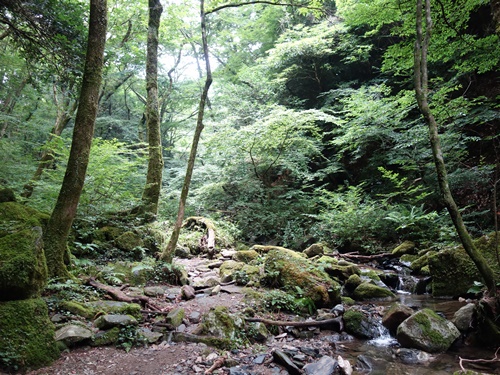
x=65 y=112
x=421 y=91
x=172 y=243
x=495 y=12
x=151 y=193
x=56 y=234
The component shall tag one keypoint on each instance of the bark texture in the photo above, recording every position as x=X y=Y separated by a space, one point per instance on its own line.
x=172 y=243
x=59 y=225
x=151 y=193
x=424 y=28
x=495 y=12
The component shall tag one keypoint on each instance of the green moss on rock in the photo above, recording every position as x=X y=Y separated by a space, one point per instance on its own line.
x=77 y=309
x=367 y=291
x=15 y=216
x=407 y=247
x=128 y=241
x=27 y=334
x=23 y=269
x=245 y=256
x=289 y=270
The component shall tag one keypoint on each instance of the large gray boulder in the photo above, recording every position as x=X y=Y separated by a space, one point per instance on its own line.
x=427 y=331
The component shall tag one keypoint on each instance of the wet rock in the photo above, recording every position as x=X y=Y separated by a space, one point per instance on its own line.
x=367 y=291
x=463 y=317
x=344 y=365
x=360 y=324
x=396 y=314
x=72 y=333
x=325 y=366
x=283 y=359
x=412 y=356
x=109 y=321
x=427 y=331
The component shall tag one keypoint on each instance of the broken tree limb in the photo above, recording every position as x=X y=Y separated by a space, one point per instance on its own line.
x=119 y=295
x=208 y=240
x=338 y=322
x=217 y=364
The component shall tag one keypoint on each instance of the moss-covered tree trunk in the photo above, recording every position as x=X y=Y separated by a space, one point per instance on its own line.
x=151 y=193
x=59 y=225
x=423 y=28
x=495 y=12
x=172 y=243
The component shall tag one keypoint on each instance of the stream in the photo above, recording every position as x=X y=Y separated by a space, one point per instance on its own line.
x=384 y=356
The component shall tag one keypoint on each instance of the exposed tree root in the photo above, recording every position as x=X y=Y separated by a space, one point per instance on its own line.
x=481 y=361
x=119 y=295
x=337 y=322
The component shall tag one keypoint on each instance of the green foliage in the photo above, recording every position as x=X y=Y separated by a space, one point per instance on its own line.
x=348 y=216
x=129 y=337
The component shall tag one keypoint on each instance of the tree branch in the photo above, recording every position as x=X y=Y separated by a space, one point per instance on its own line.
x=236 y=5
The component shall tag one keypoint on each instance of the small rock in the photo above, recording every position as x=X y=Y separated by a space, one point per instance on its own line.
x=284 y=360
x=73 y=333
x=259 y=359
x=194 y=317
x=215 y=290
x=114 y=320
x=154 y=291
x=463 y=317
x=188 y=292
x=325 y=366
x=344 y=365
x=175 y=316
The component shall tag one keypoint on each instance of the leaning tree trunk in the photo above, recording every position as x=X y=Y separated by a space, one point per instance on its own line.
x=172 y=243
x=59 y=225
x=151 y=193
x=421 y=90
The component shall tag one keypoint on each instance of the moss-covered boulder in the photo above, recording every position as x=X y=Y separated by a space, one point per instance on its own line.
x=452 y=271
x=128 y=241
x=228 y=268
x=23 y=269
x=15 y=217
x=352 y=283
x=421 y=262
x=7 y=195
x=313 y=250
x=360 y=324
x=407 y=247
x=395 y=315
x=288 y=269
x=368 y=291
x=427 y=331
x=220 y=322
x=245 y=256
x=27 y=335
x=77 y=308
x=115 y=307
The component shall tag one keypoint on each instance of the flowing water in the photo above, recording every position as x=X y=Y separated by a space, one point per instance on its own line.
x=383 y=355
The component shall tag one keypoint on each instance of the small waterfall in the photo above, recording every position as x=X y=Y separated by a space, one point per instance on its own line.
x=384 y=339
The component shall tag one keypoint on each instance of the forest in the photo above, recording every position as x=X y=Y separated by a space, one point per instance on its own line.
x=357 y=124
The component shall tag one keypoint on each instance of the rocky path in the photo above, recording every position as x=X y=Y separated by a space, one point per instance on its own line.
x=280 y=354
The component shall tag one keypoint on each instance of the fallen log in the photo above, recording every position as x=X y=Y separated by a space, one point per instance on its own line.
x=119 y=295
x=363 y=258
x=339 y=322
x=207 y=241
